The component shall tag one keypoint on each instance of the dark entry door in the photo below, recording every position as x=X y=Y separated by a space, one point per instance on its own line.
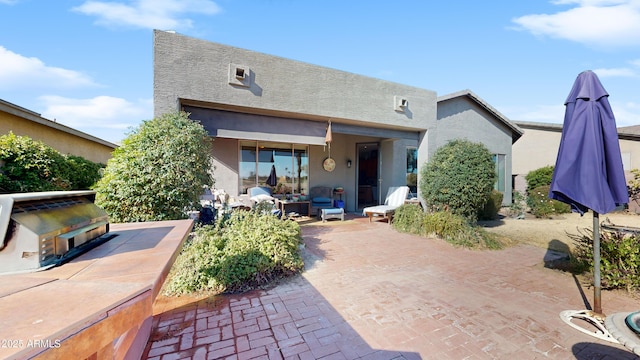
x=368 y=174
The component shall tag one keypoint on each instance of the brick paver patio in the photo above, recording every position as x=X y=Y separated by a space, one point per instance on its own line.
x=371 y=293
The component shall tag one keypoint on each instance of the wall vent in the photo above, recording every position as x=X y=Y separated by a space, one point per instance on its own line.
x=400 y=103
x=239 y=75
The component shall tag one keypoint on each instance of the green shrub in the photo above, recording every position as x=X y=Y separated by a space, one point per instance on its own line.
x=445 y=225
x=409 y=218
x=28 y=165
x=633 y=186
x=492 y=206
x=158 y=172
x=457 y=231
x=619 y=258
x=249 y=250
x=459 y=178
x=83 y=173
x=539 y=177
x=518 y=206
x=543 y=207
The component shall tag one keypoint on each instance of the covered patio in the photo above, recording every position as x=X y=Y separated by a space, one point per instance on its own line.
x=369 y=292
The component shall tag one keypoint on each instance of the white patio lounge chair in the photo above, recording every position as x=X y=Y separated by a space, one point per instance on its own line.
x=396 y=195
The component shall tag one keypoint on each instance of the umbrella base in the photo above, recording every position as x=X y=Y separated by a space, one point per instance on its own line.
x=590 y=318
x=616 y=323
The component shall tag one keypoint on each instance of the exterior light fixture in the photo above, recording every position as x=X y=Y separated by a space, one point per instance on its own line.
x=349 y=163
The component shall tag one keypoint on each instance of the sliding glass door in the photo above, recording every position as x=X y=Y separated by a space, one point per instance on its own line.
x=284 y=168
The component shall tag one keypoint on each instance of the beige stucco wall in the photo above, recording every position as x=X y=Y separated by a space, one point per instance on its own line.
x=64 y=142
x=539 y=147
x=535 y=149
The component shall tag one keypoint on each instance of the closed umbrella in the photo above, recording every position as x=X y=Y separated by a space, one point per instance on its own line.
x=589 y=172
x=272 y=180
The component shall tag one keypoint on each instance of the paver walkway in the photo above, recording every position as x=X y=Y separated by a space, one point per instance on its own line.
x=371 y=293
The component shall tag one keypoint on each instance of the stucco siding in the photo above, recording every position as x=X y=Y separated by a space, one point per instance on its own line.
x=189 y=68
x=461 y=118
x=539 y=145
x=62 y=141
x=225 y=154
x=535 y=149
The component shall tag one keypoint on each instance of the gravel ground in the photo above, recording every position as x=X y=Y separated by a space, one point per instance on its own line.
x=553 y=233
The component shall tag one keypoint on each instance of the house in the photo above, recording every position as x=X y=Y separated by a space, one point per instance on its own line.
x=465 y=115
x=271 y=114
x=64 y=139
x=539 y=146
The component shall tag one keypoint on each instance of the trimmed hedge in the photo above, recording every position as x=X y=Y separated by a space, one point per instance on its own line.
x=459 y=178
x=539 y=177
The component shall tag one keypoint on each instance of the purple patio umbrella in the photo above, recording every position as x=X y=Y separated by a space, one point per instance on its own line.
x=589 y=172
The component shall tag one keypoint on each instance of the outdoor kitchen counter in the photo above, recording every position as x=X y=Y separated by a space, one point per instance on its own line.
x=98 y=304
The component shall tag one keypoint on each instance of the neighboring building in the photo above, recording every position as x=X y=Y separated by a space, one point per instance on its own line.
x=465 y=115
x=539 y=147
x=269 y=112
x=66 y=140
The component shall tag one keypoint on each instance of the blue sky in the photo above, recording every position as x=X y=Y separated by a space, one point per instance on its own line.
x=89 y=64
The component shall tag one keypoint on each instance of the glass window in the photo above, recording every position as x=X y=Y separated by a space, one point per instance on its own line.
x=501 y=170
x=288 y=162
x=412 y=169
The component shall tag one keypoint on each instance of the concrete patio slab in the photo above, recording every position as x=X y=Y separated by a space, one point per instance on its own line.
x=369 y=292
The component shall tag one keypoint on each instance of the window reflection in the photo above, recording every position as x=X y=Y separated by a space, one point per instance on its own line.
x=290 y=162
x=412 y=169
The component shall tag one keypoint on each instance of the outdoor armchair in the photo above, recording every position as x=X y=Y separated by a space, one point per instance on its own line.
x=321 y=198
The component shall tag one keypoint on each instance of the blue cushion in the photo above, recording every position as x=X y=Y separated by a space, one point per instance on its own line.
x=321 y=200
x=333 y=211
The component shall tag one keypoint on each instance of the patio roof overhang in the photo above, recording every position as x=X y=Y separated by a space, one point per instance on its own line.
x=247 y=126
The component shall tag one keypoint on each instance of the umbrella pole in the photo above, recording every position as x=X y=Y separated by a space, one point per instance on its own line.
x=595 y=317
x=597 y=299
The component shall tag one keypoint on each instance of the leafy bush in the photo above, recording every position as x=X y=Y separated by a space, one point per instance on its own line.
x=539 y=177
x=543 y=207
x=448 y=226
x=409 y=218
x=249 y=250
x=83 y=173
x=459 y=177
x=518 y=206
x=28 y=165
x=492 y=206
x=634 y=187
x=158 y=172
x=619 y=258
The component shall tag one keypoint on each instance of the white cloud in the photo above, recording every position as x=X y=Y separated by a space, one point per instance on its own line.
x=104 y=112
x=598 y=23
x=616 y=72
x=148 y=14
x=18 y=71
x=626 y=113
x=541 y=113
x=8 y=2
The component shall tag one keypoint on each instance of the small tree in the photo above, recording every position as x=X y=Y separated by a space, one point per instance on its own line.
x=158 y=172
x=460 y=177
